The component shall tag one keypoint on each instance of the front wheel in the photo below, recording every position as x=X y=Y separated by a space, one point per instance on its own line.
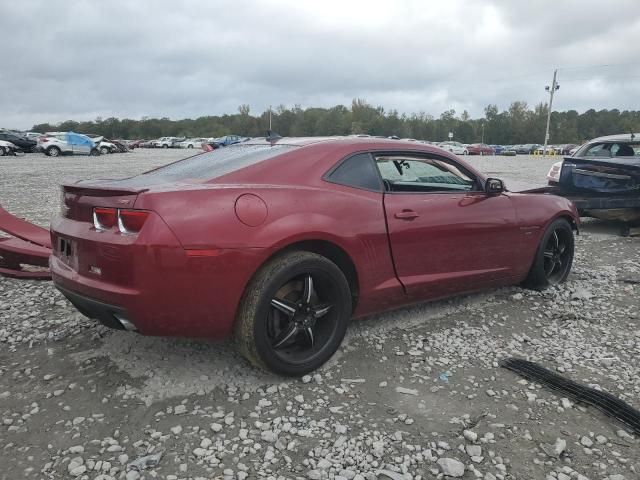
x=104 y=150
x=3 y=152
x=53 y=151
x=554 y=256
x=294 y=314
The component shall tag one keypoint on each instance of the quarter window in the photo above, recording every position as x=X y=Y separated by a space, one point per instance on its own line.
x=401 y=173
x=357 y=171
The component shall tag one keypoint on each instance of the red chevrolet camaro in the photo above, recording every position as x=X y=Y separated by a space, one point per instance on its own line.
x=280 y=242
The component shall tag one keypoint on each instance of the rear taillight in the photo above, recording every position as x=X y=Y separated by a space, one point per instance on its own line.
x=131 y=221
x=126 y=221
x=105 y=218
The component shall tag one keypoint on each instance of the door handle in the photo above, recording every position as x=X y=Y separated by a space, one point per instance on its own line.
x=406 y=215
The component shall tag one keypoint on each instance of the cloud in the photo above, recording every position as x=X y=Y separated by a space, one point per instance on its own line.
x=78 y=59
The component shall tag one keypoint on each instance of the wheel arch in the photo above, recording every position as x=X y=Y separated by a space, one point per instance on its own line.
x=327 y=249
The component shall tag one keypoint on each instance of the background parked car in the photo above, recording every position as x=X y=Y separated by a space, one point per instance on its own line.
x=167 y=142
x=23 y=143
x=480 y=149
x=192 y=142
x=7 y=148
x=228 y=140
x=54 y=144
x=526 y=149
x=454 y=147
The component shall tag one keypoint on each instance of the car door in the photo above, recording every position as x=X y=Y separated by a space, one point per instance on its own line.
x=446 y=234
x=80 y=148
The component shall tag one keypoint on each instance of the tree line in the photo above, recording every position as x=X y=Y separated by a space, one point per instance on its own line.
x=518 y=124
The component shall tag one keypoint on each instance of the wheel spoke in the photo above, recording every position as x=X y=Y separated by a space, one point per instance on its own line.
x=307 y=291
x=548 y=253
x=285 y=306
x=556 y=241
x=549 y=266
x=285 y=336
x=310 y=336
x=321 y=310
x=562 y=248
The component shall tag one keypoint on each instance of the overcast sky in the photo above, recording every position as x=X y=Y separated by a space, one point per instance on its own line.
x=79 y=59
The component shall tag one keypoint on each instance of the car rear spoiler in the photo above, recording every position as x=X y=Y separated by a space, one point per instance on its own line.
x=25 y=252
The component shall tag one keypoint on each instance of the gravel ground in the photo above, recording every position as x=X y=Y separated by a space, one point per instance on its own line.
x=413 y=394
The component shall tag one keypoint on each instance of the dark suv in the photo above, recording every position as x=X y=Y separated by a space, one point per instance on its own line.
x=22 y=143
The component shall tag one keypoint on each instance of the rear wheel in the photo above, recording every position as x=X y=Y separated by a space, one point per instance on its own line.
x=53 y=151
x=294 y=314
x=104 y=150
x=3 y=152
x=554 y=256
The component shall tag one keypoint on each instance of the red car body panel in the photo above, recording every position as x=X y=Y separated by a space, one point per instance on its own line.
x=28 y=245
x=480 y=149
x=185 y=272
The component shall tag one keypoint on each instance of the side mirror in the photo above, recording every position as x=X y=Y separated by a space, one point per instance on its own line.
x=494 y=186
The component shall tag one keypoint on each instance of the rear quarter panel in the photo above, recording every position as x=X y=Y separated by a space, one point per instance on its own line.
x=349 y=218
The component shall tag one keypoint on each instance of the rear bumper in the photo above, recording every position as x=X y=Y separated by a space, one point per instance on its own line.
x=150 y=280
x=109 y=315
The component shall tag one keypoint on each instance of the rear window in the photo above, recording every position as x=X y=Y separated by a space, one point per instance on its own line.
x=217 y=163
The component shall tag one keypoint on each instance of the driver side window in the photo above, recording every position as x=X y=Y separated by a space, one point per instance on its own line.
x=403 y=173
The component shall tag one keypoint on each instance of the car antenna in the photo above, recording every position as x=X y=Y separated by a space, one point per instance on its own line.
x=272 y=136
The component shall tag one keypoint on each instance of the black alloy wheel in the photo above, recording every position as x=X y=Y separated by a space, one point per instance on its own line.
x=554 y=256
x=557 y=256
x=294 y=314
x=297 y=317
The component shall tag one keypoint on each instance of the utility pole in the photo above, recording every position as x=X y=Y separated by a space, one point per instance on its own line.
x=269 y=117
x=551 y=90
x=482 y=138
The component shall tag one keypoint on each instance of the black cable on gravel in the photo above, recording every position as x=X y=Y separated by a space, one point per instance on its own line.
x=603 y=401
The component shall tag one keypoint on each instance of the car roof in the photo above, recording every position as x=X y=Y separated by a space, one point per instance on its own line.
x=344 y=140
x=621 y=137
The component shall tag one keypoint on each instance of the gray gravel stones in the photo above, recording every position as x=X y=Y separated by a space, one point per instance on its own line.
x=451 y=467
x=412 y=395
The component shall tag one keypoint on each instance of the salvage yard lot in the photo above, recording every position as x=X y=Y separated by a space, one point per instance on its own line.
x=78 y=400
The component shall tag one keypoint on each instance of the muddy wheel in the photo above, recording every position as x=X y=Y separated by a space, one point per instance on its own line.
x=53 y=151
x=554 y=256
x=294 y=314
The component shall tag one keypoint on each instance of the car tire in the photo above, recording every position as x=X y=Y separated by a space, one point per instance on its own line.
x=165 y=146
x=189 y=146
x=53 y=152
x=104 y=150
x=554 y=256
x=3 y=152
x=94 y=152
x=293 y=343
